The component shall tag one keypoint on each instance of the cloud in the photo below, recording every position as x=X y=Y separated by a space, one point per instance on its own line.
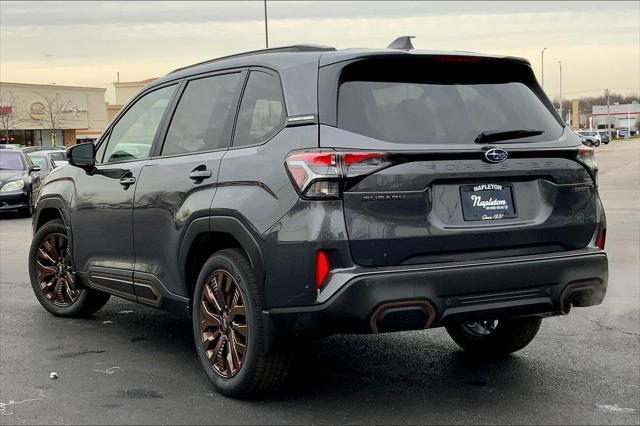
x=100 y=12
x=85 y=43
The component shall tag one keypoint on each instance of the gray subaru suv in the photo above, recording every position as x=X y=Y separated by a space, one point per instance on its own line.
x=296 y=192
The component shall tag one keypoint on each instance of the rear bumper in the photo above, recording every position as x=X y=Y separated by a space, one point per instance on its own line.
x=13 y=200
x=373 y=300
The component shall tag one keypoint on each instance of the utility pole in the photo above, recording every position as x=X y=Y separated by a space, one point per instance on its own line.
x=266 y=28
x=628 y=136
x=606 y=93
x=542 y=67
x=560 y=63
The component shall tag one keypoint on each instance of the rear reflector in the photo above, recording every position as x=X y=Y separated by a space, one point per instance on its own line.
x=602 y=238
x=322 y=268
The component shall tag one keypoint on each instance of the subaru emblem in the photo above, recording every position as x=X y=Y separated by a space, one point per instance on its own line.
x=496 y=155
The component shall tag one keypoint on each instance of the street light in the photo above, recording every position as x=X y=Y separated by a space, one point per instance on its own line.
x=542 y=55
x=266 y=29
x=560 y=63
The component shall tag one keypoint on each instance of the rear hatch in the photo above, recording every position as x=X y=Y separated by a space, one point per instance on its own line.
x=472 y=160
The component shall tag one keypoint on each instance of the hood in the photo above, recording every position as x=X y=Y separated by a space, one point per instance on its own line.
x=9 y=175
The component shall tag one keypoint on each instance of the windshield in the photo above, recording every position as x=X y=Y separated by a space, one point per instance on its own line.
x=10 y=160
x=440 y=104
x=58 y=156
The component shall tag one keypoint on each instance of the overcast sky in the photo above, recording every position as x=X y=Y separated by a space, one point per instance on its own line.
x=86 y=43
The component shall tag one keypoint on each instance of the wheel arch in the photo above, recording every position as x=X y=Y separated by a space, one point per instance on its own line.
x=49 y=209
x=206 y=236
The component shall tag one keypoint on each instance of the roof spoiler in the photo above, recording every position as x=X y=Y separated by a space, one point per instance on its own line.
x=402 y=43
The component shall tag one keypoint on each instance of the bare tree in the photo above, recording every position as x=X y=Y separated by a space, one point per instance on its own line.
x=54 y=111
x=9 y=116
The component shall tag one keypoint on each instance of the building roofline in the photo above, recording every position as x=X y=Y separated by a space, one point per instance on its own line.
x=57 y=86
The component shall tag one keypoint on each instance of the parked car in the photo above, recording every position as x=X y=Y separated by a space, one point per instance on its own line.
x=604 y=137
x=59 y=157
x=10 y=146
x=589 y=138
x=297 y=192
x=29 y=149
x=622 y=132
x=58 y=154
x=19 y=182
x=43 y=160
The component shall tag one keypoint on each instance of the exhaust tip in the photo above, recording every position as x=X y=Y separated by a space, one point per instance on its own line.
x=402 y=316
x=580 y=294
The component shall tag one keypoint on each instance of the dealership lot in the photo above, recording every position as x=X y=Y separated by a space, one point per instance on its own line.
x=132 y=364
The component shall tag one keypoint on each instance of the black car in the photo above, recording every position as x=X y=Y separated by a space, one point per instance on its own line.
x=19 y=182
x=296 y=192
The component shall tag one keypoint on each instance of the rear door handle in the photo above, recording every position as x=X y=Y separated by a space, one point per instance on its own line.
x=199 y=175
x=128 y=180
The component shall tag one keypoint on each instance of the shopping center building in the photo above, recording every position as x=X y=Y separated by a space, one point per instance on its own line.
x=47 y=115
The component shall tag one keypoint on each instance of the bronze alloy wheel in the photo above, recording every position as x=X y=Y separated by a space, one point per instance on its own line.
x=223 y=323
x=54 y=270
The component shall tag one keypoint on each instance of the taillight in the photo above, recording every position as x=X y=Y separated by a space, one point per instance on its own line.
x=319 y=174
x=602 y=238
x=322 y=268
x=587 y=157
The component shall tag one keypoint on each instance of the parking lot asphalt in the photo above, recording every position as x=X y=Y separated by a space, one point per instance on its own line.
x=132 y=364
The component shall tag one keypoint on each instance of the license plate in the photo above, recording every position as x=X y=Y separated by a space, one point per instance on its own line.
x=487 y=201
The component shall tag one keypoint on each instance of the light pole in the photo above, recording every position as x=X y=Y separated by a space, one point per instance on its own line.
x=560 y=63
x=542 y=67
x=266 y=28
x=606 y=92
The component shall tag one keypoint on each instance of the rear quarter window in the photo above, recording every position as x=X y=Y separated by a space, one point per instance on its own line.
x=262 y=110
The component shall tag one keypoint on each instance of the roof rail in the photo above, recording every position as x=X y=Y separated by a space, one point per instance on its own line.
x=283 y=49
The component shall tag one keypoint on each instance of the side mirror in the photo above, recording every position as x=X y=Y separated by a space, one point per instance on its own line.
x=34 y=168
x=82 y=155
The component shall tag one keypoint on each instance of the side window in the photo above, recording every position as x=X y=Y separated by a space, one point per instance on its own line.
x=132 y=136
x=262 y=112
x=202 y=119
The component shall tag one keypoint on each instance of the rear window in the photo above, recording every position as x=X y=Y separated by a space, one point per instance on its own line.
x=425 y=101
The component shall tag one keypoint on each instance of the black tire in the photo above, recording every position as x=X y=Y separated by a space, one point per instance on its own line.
x=28 y=211
x=88 y=300
x=260 y=371
x=510 y=335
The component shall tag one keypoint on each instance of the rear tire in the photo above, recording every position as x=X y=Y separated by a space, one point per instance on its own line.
x=229 y=332
x=508 y=336
x=27 y=211
x=58 y=291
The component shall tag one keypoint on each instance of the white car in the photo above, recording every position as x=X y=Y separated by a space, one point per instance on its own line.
x=589 y=138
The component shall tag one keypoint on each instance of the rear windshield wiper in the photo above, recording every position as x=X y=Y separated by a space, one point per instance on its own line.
x=505 y=135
